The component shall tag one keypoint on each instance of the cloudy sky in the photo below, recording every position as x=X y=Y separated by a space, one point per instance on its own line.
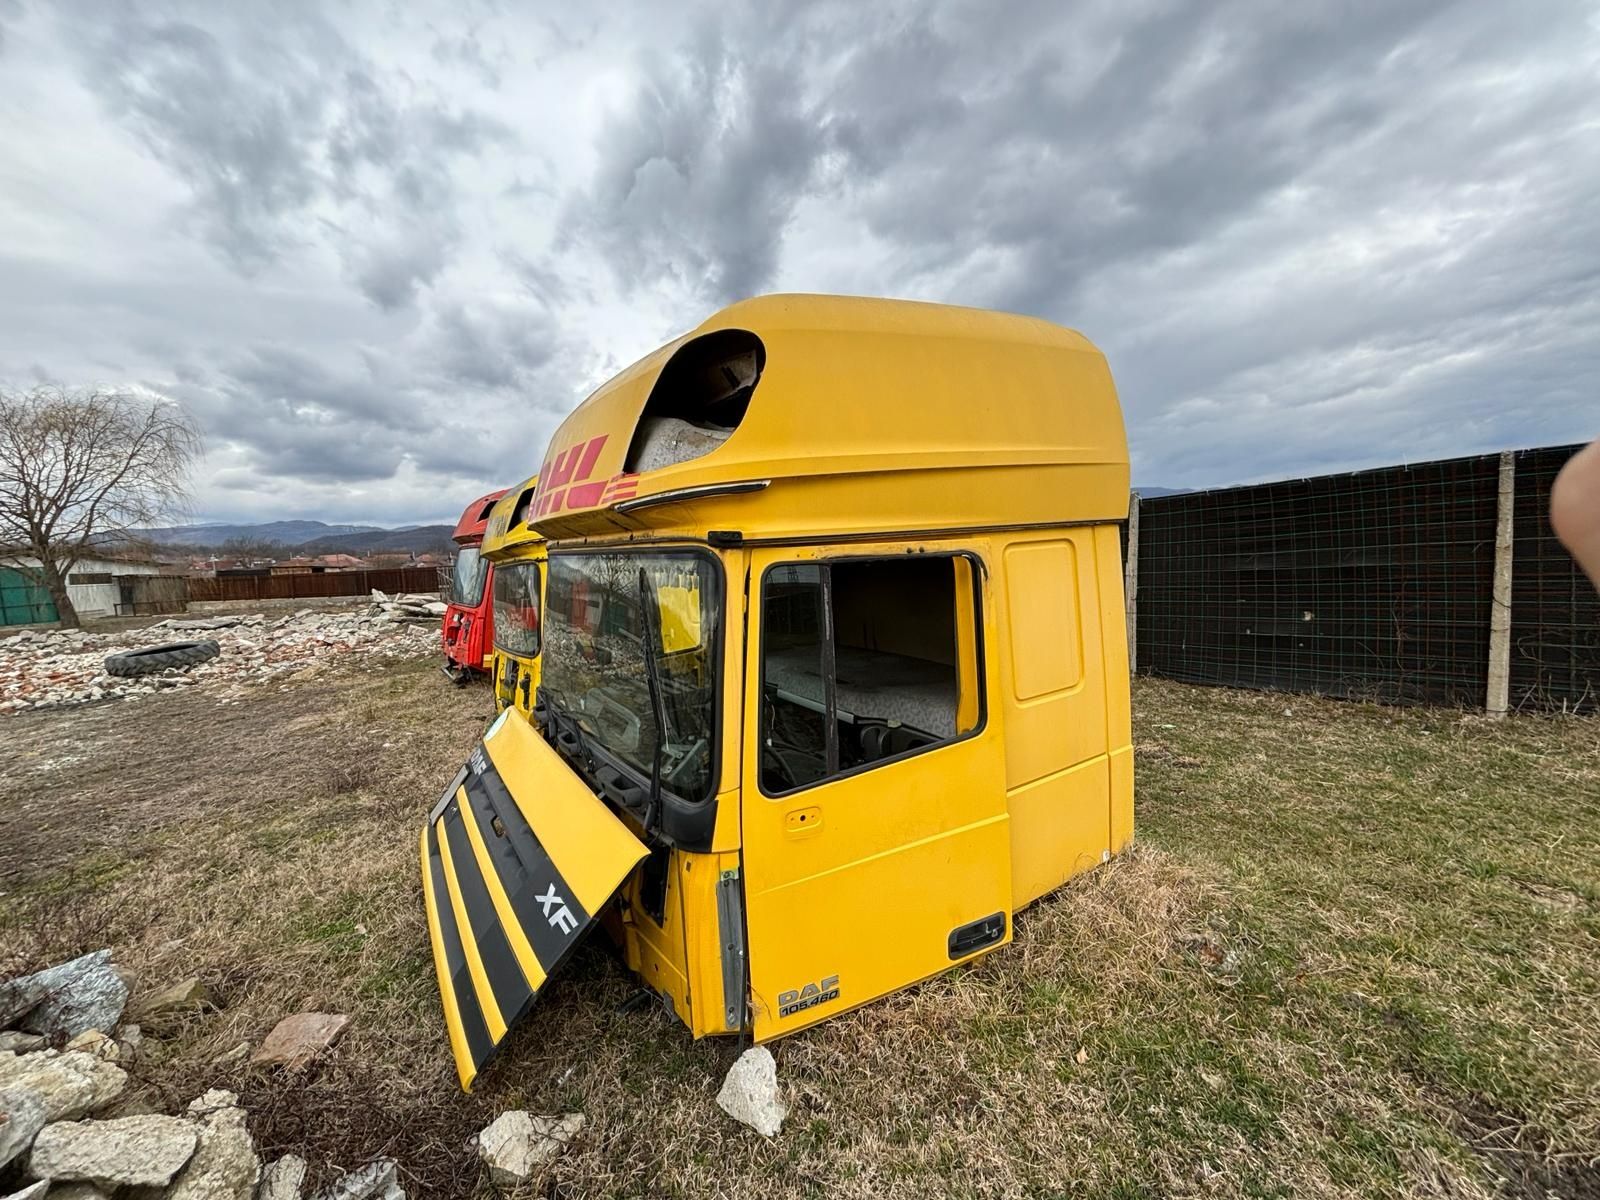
x=380 y=249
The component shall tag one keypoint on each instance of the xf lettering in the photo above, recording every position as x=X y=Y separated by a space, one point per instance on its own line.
x=556 y=910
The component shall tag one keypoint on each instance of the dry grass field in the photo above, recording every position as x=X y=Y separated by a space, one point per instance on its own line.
x=1355 y=952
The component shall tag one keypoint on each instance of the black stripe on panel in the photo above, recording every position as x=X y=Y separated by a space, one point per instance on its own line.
x=455 y=959
x=550 y=914
x=511 y=990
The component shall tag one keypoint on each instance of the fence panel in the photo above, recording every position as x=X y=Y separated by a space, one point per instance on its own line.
x=1375 y=584
x=311 y=586
x=1555 y=611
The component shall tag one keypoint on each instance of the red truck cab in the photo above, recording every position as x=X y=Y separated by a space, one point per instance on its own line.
x=469 y=614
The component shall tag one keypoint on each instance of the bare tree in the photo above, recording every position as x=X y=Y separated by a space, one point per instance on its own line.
x=78 y=470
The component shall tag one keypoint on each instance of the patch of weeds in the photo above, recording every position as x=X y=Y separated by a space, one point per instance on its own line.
x=332 y=925
x=399 y=976
x=271 y=839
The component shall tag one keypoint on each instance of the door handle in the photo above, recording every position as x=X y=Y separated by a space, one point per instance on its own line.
x=802 y=822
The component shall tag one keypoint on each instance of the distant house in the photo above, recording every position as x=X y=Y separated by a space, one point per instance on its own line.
x=298 y=565
x=430 y=560
x=336 y=562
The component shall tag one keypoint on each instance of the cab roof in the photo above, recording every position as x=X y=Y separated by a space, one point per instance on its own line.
x=506 y=533
x=830 y=414
x=469 y=529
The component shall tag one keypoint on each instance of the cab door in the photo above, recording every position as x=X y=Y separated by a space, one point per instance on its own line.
x=874 y=821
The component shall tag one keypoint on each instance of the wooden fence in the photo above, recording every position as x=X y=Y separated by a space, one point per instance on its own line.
x=308 y=586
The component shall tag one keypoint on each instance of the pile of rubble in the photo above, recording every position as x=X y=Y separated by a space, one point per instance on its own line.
x=65 y=1133
x=57 y=667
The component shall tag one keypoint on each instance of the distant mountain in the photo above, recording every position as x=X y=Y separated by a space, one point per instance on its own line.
x=418 y=539
x=306 y=537
x=285 y=533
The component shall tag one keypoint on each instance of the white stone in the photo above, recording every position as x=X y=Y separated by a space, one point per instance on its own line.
x=34 y=1191
x=69 y=1085
x=15 y=1042
x=516 y=1143
x=224 y=1166
x=21 y=1117
x=750 y=1092
x=144 y=1151
x=378 y=1180
x=282 y=1179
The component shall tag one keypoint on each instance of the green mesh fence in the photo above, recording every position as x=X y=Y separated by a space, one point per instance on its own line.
x=1375 y=585
x=1555 y=610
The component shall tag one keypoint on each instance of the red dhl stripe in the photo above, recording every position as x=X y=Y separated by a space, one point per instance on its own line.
x=586 y=495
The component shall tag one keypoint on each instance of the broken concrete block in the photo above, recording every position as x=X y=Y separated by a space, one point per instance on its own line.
x=85 y=993
x=295 y=1041
x=282 y=1179
x=69 y=1085
x=750 y=1092
x=224 y=1166
x=378 y=1180
x=135 y=1151
x=516 y=1143
x=21 y=1117
x=184 y=996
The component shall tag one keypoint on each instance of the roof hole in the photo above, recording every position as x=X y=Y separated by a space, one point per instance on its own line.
x=698 y=399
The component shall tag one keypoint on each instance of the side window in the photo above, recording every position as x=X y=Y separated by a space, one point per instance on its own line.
x=864 y=661
x=516 y=608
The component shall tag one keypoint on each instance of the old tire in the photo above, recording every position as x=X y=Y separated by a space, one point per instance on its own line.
x=133 y=663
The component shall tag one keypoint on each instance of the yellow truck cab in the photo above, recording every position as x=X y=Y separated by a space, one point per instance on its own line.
x=834 y=672
x=517 y=552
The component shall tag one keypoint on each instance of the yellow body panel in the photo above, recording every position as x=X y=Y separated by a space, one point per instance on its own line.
x=518 y=860
x=871 y=416
x=884 y=430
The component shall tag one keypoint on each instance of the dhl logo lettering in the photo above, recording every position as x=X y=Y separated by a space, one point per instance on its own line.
x=565 y=486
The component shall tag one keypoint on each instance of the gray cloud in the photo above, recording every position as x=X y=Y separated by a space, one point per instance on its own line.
x=1047 y=166
x=380 y=251
x=699 y=176
x=279 y=127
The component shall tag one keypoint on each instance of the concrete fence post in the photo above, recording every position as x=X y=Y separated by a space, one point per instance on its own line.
x=1498 y=692
x=1130 y=583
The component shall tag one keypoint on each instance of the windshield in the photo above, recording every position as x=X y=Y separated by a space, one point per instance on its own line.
x=466 y=581
x=594 y=666
x=516 y=608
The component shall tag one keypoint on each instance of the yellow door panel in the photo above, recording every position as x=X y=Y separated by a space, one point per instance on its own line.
x=870 y=926
x=857 y=883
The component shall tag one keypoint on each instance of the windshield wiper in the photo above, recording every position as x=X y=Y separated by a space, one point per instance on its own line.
x=650 y=619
